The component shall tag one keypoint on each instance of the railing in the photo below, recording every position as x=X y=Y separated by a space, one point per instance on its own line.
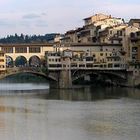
x=86 y=68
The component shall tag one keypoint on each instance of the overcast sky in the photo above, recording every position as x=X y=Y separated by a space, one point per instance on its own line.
x=47 y=16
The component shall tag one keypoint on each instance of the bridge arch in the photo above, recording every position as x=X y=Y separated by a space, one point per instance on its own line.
x=35 y=73
x=34 y=61
x=20 y=61
x=31 y=70
x=112 y=77
x=9 y=61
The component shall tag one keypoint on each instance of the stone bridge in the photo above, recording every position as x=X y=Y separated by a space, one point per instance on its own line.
x=51 y=76
x=64 y=78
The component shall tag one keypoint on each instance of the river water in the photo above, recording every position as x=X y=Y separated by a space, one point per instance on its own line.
x=34 y=112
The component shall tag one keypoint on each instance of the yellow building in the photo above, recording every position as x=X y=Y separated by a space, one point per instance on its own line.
x=135 y=47
x=95 y=18
x=112 y=35
x=127 y=32
x=87 y=57
x=2 y=61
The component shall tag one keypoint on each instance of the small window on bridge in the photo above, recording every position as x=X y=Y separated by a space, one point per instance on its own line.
x=2 y=66
x=34 y=49
x=73 y=65
x=116 y=65
x=59 y=65
x=95 y=66
x=21 y=50
x=110 y=65
x=81 y=65
x=55 y=65
x=101 y=54
x=1 y=54
x=1 y=60
x=7 y=49
x=89 y=65
x=89 y=58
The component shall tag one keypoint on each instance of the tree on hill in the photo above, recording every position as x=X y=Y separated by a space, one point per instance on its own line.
x=28 y=39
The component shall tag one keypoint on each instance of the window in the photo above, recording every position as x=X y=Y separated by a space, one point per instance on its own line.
x=116 y=65
x=111 y=32
x=110 y=65
x=120 y=33
x=55 y=65
x=89 y=65
x=89 y=58
x=1 y=54
x=34 y=49
x=21 y=50
x=96 y=66
x=132 y=35
x=81 y=65
x=7 y=49
x=73 y=65
x=1 y=60
x=101 y=54
x=1 y=66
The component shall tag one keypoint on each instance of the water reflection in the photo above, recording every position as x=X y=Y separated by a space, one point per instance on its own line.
x=86 y=93
x=23 y=88
x=90 y=113
x=92 y=93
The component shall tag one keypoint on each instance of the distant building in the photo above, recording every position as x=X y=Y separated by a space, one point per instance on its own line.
x=58 y=38
x=112 y=35
x=135 y=47
x=134 y=22
x=127 y=41
x=2 y=61
x=87 y=56
x=96 y=18
x=92 y=30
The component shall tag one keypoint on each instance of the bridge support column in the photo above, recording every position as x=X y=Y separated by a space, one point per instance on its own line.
x=133 y=78
x=27 y=64
x=65 y=80
x=14 y=64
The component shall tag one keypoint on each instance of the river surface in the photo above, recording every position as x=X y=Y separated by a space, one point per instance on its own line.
x=34 y=112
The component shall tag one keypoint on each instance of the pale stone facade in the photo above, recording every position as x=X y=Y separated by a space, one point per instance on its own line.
x=87 y=56
x=95 y=18
x=2 y=61
x=90 y=32
x=134 y=22
x=112 y=35
x=26 y=50
x=127 y=42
